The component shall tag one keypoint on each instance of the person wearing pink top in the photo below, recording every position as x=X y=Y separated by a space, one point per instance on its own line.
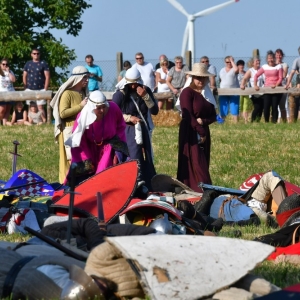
x=273 y=78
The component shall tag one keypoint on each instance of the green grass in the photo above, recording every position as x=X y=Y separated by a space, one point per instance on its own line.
x=238 y=151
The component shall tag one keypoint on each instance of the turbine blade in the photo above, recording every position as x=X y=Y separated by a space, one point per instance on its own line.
x=185 y=39
x=179 y=7
x=213 y=9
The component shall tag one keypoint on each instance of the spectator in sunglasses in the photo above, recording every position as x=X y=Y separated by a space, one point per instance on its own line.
x=36 y=77
x=7 y=79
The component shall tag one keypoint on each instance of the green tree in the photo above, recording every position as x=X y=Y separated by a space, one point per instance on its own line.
x=26 y=24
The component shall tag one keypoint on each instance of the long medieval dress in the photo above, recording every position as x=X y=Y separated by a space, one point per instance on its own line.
x=193 y=158
x=143 y=153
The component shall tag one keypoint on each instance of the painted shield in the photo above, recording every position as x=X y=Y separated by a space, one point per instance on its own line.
x=116 y=184
x=189 y=267
x=26 y=185
x=250 y=181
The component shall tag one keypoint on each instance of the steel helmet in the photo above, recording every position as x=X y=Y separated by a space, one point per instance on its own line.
x=162 y=224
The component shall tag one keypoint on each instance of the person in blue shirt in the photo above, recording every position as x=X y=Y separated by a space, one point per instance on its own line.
x=95 y=73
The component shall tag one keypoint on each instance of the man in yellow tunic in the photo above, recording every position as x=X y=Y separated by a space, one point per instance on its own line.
x=67 y=103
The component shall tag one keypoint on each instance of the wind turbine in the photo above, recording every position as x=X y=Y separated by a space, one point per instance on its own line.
x=189 y=33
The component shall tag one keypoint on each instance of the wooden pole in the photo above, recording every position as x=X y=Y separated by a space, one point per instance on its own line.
x=22 y=95
x=48 y=112
x=119 y=63
x=188 y=59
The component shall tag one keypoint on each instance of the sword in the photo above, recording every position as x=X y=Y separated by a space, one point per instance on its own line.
x=101 y=219
x=15 y=156
x=71 y=205
x=21 y=186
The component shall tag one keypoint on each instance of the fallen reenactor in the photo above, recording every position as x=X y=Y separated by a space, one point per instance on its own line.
x=258 y=204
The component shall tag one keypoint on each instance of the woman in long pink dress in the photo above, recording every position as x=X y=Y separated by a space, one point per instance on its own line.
x=98 y=140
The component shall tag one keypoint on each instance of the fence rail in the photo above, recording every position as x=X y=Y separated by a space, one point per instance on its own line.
x=47 y=95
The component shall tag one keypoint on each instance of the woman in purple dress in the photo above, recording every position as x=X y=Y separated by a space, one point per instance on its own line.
x=98 y=140
x=198 y=113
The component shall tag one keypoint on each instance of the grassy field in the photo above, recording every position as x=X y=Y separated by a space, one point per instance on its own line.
x=238 y=151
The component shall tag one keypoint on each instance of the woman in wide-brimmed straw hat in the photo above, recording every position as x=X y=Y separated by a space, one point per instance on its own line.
x=67 y=103
x=194 y=135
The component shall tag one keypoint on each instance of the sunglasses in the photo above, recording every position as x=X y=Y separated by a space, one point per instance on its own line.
x=228 y=62
x=204 y=61
x=139 y=58
x=35 y=53
x=4 y=64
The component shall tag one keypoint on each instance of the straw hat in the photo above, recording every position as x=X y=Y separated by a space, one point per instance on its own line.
x=199 y=69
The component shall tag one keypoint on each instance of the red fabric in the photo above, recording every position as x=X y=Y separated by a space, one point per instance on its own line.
x=5 y=219
x=21 y=216
x=293 y=288
x=281 y=218
x=289 y=250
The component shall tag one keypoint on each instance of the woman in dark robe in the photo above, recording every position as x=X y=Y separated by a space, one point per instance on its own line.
x=198 y=112
x=137 y=102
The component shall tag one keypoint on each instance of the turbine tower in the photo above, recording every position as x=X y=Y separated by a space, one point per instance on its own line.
x=189 y=33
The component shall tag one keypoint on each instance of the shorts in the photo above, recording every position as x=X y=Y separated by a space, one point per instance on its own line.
x=245 y=103
x=38 y=102
x=231 y=102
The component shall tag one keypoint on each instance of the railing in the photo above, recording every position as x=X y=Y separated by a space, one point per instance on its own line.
x=48 y=95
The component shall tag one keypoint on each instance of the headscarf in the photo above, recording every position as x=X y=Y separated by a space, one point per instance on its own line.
x=132 y=75
x=77 y=74
x=87 y=117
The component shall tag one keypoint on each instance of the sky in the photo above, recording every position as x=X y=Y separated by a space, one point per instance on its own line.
x=155 y=27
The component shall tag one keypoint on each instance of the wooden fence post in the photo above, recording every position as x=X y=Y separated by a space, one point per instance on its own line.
x=119 y=62
x=188 y=59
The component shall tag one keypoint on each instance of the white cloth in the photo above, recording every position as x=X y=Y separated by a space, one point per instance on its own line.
x=86 y=118
x=206 y=93
x=138 y=133
x=72 y=81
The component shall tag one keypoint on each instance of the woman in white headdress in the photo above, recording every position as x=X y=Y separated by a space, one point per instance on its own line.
x=98 y=140
x=136 y=102
x=67 y=103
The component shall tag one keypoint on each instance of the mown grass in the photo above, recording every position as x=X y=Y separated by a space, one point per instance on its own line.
x=238 y=151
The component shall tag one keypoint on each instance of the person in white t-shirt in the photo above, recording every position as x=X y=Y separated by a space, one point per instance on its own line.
x=228 y=79
x=146 y=69
x=161 y=82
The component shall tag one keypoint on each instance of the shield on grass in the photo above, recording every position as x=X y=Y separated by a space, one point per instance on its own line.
x=189 y=267
x=27 y=185
x=116 y=184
